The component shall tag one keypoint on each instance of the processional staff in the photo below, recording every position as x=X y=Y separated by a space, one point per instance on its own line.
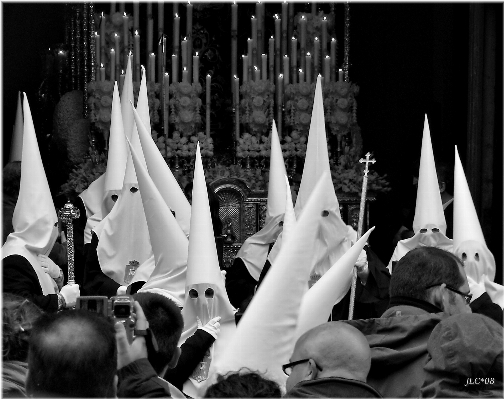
x=67 y=214
x=367 y=161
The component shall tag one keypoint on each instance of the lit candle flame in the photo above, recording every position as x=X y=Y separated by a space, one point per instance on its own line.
x=176 y=15
x=136 y=33
x=308 y=54
x=316 y=38
x=124 y=14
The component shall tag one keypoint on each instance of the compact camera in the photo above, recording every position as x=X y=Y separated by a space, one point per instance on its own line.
x=119 y=308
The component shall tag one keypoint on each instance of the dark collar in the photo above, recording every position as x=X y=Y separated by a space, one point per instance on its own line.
x=418 y=303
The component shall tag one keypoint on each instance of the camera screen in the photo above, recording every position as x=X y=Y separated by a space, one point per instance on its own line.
x=122 y=311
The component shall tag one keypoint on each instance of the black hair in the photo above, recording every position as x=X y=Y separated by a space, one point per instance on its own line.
x=248 y=384
x=422 y=267
x=19 y=314
x=166 y=323
x=72 y=354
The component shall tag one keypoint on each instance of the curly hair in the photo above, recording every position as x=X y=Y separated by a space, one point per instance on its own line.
x=19 y=314
x=243 y=384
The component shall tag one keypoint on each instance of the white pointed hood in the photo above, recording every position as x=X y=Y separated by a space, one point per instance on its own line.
x=163 y=178
x=169 y=243
x=264 y=339
x=332 y=240
x=127 y=97
x=92 y=196
x=117 y=155
x=34 y=216
x=429 y=223
x=254 y=250
x=17 y=133
x=429 y=206
x=318 y=302
x=468 y=240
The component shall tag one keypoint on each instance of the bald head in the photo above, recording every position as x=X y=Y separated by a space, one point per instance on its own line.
x=336 y=349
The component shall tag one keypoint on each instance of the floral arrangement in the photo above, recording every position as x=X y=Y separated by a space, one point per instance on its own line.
x=348 y=178
x=340 y=106
x=294 y=145
x=100 y=103
x=84 y=174
x=251 y=146
x=185 y=146
x=185 y=107
x=299 y=105
x=257 y=105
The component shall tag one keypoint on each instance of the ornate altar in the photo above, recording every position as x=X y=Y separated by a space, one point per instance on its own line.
x=243 y=211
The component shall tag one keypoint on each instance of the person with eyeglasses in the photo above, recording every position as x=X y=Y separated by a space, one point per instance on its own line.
x=331 y=360
x=428 y=285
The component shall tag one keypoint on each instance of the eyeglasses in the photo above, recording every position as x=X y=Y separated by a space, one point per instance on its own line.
x=467 y=297
x=287 y=368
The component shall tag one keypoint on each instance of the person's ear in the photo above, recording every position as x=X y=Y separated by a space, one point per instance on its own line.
x=313 y=370
x=174 y=360
x=437 y=296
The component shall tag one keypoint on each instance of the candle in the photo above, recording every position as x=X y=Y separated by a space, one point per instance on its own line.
x=294 y=56
x=196 y=68
x=302 y=23
x=112 y=64
x=264 y=66
x=259 y=18
x=254 y=39
x=122 y=7
x=174 y=68
x=237 y=107
x=185 y=75
x=340 y=75
x=208 y=85
x=327 y=68
x=249 y=48
x=125 y=34
x=112 y=7
x=324 y=37
x=102 y=73
x=150 y=32
x=284 y=30
x=102 y=36
x=333 y=59
x=166 y=103
x=245 y=67
x=234 y=40
x=184 y=53
x=271 y=59
x=98 y=48
x=137 y=56
x=316 y=51
x=257 y=74
x=279 y=104
x=117 y=39
x=176 y=36
x=278 y=36
x=61 y=60
x=314 y=8
x=160 y=17
x=152 y=67
x=308 y=67
x=301 y=76
x=121 y=80
x=189 y=26
x=236 y=91
x=234 y=16
x=136 y=15
x=286 y=69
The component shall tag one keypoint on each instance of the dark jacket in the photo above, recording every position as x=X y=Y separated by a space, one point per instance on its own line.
x=19 y=278
x=332 y=387
x=139 y=380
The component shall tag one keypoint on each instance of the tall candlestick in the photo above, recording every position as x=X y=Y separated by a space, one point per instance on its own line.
x=125 y=34
x=260 y=17
x=280 y=85
x=97 y=48
x=117 y=39
x=176 y=35
x=314 y=8
x=340 y=75
x=271 y=58
x=284 y=30
x=234 y=40
x=245 y=67
x=308 y=67
x=316 y=51
x=189 y=26
x=184 y=53
x=137 y=56
x=264 y=66
x=286 y=69
x=162 y=42
x=333 y=59
x=327 y=68
x=121 y=80
x=102 y=36
x=196 y=68
x=160 y=17
x=254 y=39
x=150 y=33
x=112 y=64
x=324 y=37
x=152 y=67
x=234 y=16
x=257 y=76
x=302 y=23
x=174 y=68
x=166 y=104
x=136 y=15
x=294 y=57
x=278 y=37
x=102 y=73
x=237 y=106
x=185 y=75
x=249 y=48
x=208 y=97
x=301 y=76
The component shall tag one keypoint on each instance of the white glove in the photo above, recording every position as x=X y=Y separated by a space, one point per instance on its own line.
x=51 y=268
x=223 y=272
x=121 y=290
x=212 y=327
x=477 y=289
x=362 y=267
x=70 y=293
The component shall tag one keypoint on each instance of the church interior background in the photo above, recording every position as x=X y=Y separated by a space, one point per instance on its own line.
x=397 y=62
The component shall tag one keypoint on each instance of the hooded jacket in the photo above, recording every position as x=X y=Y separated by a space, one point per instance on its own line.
x=332 y=387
